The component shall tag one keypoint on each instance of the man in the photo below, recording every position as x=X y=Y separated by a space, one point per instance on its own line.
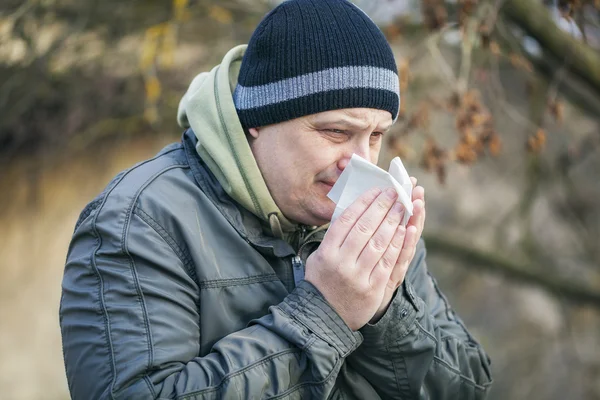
x=205 y=272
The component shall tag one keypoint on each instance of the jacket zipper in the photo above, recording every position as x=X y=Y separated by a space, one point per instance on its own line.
x=297 y=264
x=298 y=269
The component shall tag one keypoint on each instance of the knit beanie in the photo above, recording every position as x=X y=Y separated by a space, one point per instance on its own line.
x=310 y=56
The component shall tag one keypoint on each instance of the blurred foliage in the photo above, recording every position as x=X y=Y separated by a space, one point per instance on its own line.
x=68 y=68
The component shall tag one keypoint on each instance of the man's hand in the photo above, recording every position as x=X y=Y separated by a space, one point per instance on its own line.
x=414 y=229
x=353 y=265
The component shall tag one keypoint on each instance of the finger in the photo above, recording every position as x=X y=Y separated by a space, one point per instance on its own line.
x=407 y=253
x=414 y=181
x=421 y=219
x=418 y=193
x=410 y=244
x=378 y=244
x=418 y=207
x=339 y=229
x=368 y=223
x=387 y=263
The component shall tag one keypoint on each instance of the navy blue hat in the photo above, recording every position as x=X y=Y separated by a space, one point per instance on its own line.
x=309 y=56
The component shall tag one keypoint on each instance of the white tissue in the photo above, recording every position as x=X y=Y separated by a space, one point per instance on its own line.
x=360 y=176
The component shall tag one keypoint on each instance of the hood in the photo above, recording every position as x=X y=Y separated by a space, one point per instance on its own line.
x=208 y=108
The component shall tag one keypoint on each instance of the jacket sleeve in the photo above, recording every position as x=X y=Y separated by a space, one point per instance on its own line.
x=129 y=320
x=420 y=349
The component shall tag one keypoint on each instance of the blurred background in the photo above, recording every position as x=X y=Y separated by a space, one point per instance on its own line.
x=500 y=123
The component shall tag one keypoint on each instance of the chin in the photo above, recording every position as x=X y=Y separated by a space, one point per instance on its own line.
x=315 y=210
x=324 y=217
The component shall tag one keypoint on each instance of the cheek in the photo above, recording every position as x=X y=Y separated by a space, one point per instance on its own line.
x=375 y=150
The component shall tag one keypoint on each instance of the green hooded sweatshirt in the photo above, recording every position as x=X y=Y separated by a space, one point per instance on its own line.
x=208 y=108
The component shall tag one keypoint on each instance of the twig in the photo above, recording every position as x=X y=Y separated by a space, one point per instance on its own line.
x=441 y=62
x=466 y=55
x=416 y=50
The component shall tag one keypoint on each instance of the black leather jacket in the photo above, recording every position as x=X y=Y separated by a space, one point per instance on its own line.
x=171 y=290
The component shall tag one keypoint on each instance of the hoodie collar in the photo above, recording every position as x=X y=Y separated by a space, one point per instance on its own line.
x=245 y=223
x=208 y=108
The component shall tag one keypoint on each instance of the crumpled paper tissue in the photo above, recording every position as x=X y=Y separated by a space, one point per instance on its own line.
x=360 y=176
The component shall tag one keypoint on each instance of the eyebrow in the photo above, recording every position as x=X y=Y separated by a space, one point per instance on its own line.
x=351 y=123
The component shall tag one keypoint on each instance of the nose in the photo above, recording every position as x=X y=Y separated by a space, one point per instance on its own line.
x=361 y=149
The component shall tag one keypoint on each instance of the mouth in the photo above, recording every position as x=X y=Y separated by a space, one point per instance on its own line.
x=327 y=184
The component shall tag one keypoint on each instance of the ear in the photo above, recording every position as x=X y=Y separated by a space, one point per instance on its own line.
x=253 y=132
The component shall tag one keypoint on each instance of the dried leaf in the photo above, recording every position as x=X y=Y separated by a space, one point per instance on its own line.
x=520 y=62
x=495 y=48
x=434 y=14
x=441 y=173
x=469 y=137
x=420 y=118
x=404 y=74
x=541 y=136
x=398 y=148
x=432 y=156
x=495 y=145
x=536 y=142
x=465 y=154
x=480 y=119
x=453 y=102
x=557 y=110
x=392 y=32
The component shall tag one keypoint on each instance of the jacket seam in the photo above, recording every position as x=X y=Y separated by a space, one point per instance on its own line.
x=299 y=386
x=424 y=331
x=89 y=209
x=228 y=377
x=102 y=300
x=445 y=364
x=394 y=368
x=134 y=277
x=450 y=314
x=462 y=377
x=158 y=229
x=125 y=250
x=402 y=381
x=185 y=258
x=399 y=378
x=219 y=283
x=150 y=385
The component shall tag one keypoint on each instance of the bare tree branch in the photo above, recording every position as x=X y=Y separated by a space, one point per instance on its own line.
x=535 y=19
x=512 y=269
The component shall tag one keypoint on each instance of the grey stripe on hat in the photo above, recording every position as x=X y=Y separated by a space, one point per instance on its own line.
x=340 y=78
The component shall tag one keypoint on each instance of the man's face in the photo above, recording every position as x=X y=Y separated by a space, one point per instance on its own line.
x=301 y=159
